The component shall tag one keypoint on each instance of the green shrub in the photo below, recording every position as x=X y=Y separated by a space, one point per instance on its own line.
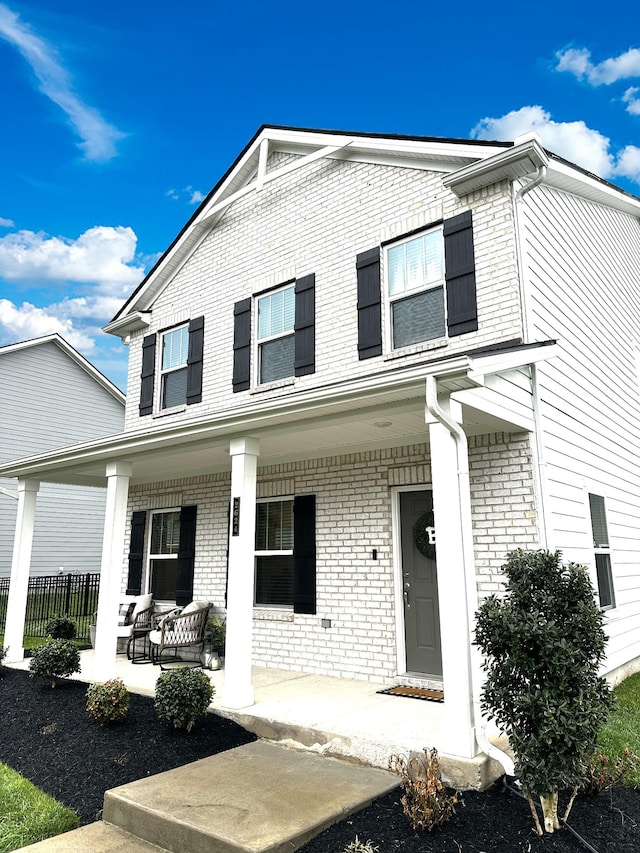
x=55 y=659
x=543 y=645
x=61 y=628
x=215 y=633
x=182 y=696
x=425 y=800
x=108 y=702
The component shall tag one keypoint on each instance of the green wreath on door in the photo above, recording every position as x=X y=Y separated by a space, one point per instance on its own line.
x=421 y=536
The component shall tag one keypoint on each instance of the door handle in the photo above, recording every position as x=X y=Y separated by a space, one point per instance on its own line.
x=405 y=593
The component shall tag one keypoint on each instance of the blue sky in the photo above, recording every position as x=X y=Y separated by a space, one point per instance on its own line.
x=118 y=119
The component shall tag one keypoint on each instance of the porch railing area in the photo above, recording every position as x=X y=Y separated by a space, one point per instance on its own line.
x=73 y=595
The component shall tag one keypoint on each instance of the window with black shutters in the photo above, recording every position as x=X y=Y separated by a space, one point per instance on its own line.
x=164 y=544
x=602 y=550
x=274 y=553
x=276 y=335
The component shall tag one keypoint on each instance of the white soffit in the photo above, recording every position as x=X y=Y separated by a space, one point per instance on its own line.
x=516 y=162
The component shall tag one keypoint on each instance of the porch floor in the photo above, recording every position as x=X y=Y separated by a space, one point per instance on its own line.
x=339 y=717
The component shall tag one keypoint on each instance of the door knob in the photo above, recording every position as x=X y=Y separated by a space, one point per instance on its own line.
x=405 y=593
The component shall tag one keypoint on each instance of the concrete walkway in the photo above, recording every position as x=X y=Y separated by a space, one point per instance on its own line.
x=259 y=798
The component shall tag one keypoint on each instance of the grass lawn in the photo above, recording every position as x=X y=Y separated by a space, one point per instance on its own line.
x=623 y=729
x=26 y=814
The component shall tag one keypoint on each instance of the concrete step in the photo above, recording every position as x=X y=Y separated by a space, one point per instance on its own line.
x=95 y=837
x=259 y=798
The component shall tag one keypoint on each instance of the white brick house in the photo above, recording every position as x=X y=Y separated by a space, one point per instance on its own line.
x=352 y=333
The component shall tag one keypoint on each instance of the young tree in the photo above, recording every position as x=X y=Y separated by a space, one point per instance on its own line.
x=543 y=643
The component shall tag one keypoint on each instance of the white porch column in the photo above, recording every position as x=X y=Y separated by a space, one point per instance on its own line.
x=456 y=576
x=238 y=688
x=115 y=517
x=20 y=564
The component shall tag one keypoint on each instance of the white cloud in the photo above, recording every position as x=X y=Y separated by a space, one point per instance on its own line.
x=629 y=163
x=572 y=140
x=187 y=194
x=98 y=137
x=6 y=223
x=23 y=322
x=578 y=62
x=632 y=100
x=101 y=255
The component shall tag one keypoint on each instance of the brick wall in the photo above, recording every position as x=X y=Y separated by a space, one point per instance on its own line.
x=354 y=591
x=316 y=220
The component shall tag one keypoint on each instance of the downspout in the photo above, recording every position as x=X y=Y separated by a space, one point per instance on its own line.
x=466 y=537
x=535 y=180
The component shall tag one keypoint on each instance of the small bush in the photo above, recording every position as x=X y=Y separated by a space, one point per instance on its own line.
x=61 y=628
x=55 y=659
x=358 y=846
x=3 y=651
x=425 y=801
x=604 y=772
x=108 y=702
x=182 y=696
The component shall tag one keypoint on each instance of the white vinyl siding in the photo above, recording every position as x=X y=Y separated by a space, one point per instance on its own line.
x=49 y=401
x=584 y=267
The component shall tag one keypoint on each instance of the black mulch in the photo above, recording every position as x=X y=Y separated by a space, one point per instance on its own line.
x=48 y=736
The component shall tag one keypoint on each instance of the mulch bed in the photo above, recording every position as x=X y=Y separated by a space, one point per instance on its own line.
x=48 y=736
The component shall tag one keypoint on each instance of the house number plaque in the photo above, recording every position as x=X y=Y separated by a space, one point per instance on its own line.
x=235 y=518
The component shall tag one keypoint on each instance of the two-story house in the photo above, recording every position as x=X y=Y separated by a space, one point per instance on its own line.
x=366 y=369
x=51 y=397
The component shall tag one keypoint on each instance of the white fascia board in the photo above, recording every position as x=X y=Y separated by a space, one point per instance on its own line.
x=499 y=361
x=131 y=322
x=514 y=163
x=563 y=176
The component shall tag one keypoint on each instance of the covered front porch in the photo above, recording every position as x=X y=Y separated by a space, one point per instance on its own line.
x=429 y=411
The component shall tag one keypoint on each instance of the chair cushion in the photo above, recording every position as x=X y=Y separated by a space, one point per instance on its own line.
x=142 y=602
x=125 y=613
x=194 y=605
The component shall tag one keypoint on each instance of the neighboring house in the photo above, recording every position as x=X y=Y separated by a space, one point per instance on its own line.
x=53 y=397
x=361 y=349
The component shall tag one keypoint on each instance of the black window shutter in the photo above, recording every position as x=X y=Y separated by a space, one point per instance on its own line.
x=194 y=361
x=462 y=313
x=305 y=325
x=242 y=345
x=304 y=554
x=369 y=307
x=148 y=374
x=186 y=555
x=136 y=552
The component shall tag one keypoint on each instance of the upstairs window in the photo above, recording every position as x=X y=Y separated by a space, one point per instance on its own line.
x=173 y=369
x=602 y=552
x=415 y=289
x=274 y=553
x=276 y=337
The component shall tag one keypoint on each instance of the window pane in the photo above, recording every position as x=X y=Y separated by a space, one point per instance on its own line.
x=277 y=359
x=274 y=580
x=598 y=522
x=418 y=318
x=165 y=532
x=163 y=579
x=415 y=264
x=395 y=260
x=175 y=346
x=605 y=580
x=433 y=257
x=174 y=388
x=276 y=313
x=274 y=526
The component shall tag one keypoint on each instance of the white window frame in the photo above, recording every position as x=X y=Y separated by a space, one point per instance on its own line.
x=259 y=341
x=424 y=287
x=286 y=552
x=602 y=549
x=165 y=371
x=151 y=556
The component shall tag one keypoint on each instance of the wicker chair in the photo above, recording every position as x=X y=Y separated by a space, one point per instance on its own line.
x=184 y=630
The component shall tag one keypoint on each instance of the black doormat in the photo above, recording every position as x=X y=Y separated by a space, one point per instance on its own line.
x=414 y=693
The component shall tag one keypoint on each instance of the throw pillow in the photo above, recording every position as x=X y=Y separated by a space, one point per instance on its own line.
x=124 y=614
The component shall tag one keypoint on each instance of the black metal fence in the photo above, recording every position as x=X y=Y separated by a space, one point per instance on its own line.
x=73 y=595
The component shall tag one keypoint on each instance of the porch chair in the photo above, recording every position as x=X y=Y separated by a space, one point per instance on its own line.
x=184 y=630
x=134 y=618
